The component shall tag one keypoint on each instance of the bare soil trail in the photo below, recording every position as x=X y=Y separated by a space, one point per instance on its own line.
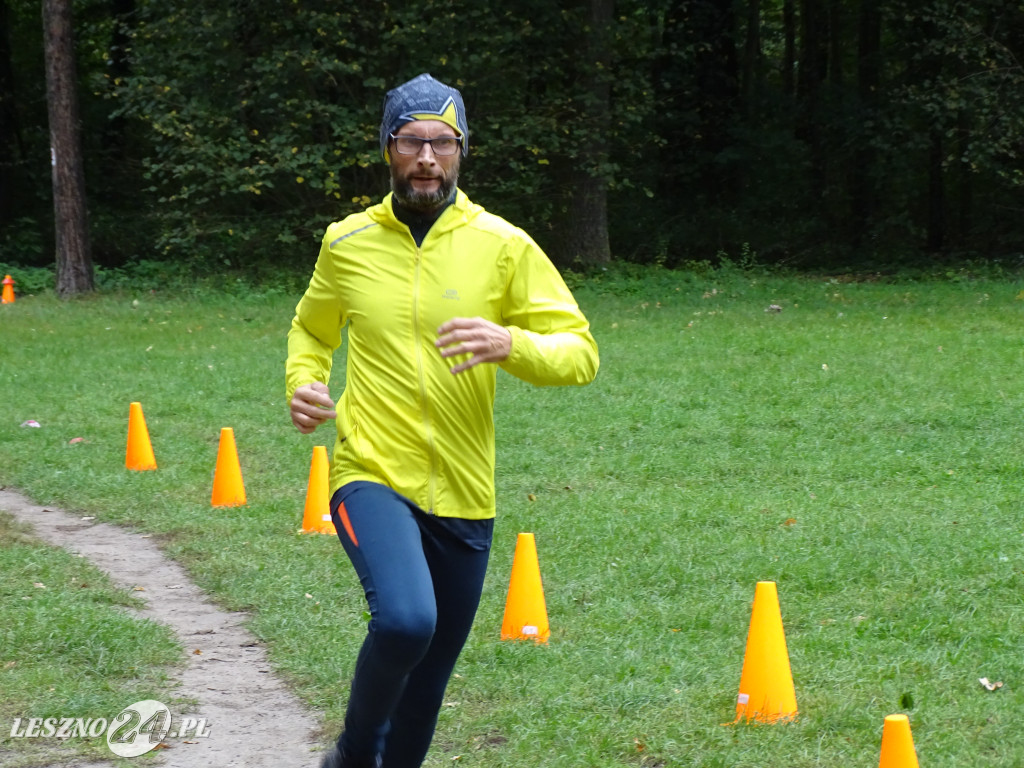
x=255 y=720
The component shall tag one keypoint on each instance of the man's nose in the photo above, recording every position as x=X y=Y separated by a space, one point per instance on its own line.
x=426 y=154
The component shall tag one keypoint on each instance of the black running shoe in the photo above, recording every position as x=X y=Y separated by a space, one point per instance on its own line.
x=335 y=759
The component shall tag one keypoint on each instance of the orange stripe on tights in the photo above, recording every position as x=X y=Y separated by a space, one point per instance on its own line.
x=343 y=514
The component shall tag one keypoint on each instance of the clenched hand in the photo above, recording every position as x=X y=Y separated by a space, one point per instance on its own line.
x=311 y=406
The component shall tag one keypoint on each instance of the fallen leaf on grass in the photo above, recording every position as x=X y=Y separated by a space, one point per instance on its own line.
x=76 y=440
x=989 y=686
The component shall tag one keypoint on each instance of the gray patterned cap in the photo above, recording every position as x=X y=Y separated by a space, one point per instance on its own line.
x=423 y=98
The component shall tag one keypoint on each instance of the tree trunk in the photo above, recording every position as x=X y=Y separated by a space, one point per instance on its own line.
x=813 y=72
x=74 y=261
x=936 y=237
x=582 y=233
x=581 y=237
x=836 y=39
x=965 y=178
x=717 y=73
x=789 y=51
x=869 y=67
x=752 y=64
x=11 y=149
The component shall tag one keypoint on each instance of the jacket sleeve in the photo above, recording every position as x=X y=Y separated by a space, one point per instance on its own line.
x=316 y=328
x=551 y=340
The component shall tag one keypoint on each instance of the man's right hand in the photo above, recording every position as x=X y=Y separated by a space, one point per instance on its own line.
x=311 y=406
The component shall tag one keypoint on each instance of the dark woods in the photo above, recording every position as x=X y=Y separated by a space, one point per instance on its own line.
x=814 y=133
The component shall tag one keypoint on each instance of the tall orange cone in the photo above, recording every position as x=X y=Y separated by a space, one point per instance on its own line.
x=8 y=294
x=766 y=683
x=139 y=455
x=526 y=613
x=897 y=744
x=317 y=516
x=228 y=490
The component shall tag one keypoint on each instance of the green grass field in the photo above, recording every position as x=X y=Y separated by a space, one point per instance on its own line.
x=860 y=446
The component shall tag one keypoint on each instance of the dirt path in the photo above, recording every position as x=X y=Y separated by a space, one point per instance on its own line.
x=255 y=721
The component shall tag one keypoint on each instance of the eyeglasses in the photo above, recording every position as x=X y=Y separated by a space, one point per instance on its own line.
x=443 y=146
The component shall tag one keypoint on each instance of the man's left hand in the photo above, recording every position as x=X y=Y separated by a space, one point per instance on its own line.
x=487 y=342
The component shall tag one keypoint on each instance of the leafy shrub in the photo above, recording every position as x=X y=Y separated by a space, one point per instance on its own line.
x=29 y=280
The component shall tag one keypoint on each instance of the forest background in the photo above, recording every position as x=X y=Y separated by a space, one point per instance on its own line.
x=815 y=134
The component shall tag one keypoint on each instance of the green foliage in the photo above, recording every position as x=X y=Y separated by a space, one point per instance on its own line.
x=962 y=60
x=264 y=132
x=227 y=136
x=29 y=280
x=22 y=242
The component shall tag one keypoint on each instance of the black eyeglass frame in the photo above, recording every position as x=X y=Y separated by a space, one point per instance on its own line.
x=422 y=141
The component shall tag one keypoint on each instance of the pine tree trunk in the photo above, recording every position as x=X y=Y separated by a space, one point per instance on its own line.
x=936 y=235
x=869 y=68
x=789 y=48
x=581 y=238
x=812 y=75
x=752 y=72
x=11 y=150
x=74 y=261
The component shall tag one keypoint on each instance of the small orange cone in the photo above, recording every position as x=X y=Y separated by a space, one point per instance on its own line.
x=317 y=515
x=139 y=455
x=897 y=744
x=228 y=490
x=526 y=613
x=766 y=683
x=8 y=295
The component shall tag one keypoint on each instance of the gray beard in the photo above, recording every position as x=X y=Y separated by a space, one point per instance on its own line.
x=423 y=202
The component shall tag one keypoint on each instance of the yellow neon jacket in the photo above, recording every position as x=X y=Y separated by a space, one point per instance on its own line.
x=403 y=419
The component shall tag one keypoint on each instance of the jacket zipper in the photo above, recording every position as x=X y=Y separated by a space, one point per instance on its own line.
x=428 y=430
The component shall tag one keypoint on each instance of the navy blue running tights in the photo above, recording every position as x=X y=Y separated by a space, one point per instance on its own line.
x=422 y=576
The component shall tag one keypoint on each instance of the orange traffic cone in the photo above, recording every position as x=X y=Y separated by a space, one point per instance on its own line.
x=766 y=683
x=317 y=515
x=526 y=613
x=8 y=295
x=897 y=744
x=228 y=490
x=140 y=450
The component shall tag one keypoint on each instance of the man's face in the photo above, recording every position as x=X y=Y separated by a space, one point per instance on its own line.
x=424 y=181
